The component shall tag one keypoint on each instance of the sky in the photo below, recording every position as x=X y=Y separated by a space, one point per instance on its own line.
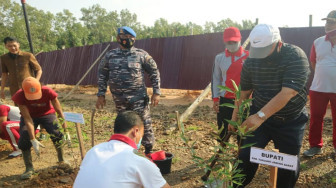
x=281 y=13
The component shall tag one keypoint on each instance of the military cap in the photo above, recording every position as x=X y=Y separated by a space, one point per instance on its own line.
x=126 y=30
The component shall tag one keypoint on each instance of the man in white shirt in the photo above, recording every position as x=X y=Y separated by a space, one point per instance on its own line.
x=116 y=163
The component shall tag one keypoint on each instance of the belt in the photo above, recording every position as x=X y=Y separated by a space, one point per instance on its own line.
x=283 y=119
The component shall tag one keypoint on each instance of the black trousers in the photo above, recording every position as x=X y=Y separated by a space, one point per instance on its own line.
x=225 y=113
x=49 y=122
x=287 y=137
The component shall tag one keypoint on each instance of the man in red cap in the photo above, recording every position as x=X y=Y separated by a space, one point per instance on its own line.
x=227 y=67
x=37 y=106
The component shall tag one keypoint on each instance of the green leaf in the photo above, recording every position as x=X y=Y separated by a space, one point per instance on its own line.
x=235 y=85
x=224 y=88
x=228 y=105
x=234 y=123
x=247 y=145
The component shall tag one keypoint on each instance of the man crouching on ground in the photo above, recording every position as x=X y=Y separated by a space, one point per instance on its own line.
x=117 y=163
x=37 y=106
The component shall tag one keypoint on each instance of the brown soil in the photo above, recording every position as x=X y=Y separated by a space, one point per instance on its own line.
x=318 y=171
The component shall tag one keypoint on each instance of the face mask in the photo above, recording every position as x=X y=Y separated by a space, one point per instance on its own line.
x=127 y=43
x=331 y=33
x=139 y=144
x=233 y=47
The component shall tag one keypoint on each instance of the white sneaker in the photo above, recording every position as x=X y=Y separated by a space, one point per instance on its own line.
x=15 y=153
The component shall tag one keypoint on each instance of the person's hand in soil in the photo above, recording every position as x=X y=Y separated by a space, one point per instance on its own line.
x=101 y=102
x=155 y=99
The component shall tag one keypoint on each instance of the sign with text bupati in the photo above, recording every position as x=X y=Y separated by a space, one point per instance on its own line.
x=271 y=158
x=74 y=117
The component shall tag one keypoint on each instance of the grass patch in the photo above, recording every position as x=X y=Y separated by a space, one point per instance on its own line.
x=303 y=166
x=172 y=115
x=175 y=160
x=192 y=128
x=161 y=140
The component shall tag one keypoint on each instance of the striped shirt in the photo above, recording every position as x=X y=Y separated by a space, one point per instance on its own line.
x=266 y=77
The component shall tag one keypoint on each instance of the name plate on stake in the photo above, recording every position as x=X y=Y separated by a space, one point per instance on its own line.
x=271 y=158
x=74 y=117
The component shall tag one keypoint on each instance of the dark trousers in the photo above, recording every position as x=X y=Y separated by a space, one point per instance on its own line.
x=225 y=113
x=287 y=137
x=141 y=107
x=49 y=122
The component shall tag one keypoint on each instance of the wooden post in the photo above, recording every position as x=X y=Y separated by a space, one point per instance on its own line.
x=92 y=127
x=178 y=120
x=310 y=20
x=273 y=174
x=80 y=139
x=192 y=107
x=80 y=81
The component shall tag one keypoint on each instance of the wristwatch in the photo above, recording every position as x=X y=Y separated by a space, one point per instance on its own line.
x=261 y=115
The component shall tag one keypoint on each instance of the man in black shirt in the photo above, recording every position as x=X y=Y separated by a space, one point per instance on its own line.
x=275 y=74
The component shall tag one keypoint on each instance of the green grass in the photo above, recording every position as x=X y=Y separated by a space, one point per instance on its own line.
x=161 y=140
x=333 y=180
x=175 y=160
x=192 y=128
x=303 y=166
x=172 y=115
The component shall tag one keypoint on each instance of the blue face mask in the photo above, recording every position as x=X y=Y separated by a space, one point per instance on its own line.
x=139 y=144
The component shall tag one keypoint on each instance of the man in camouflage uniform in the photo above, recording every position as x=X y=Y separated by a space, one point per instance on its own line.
x=123 y=68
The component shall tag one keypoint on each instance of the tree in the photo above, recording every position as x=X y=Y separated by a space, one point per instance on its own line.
x=100 y=24
x=209 y=27
x=63 y=30
x=70 y=33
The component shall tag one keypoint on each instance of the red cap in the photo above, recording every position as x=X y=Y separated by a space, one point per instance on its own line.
x=231 y=34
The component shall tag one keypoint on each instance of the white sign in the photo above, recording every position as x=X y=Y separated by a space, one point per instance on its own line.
x=74 y=117
x=271 y=158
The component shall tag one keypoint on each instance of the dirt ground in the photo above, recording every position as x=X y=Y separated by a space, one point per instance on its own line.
x=318 y=171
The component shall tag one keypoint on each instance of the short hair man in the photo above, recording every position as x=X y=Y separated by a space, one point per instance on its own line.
x=323 y=88
x=123 y=69
x=227 y=67
x=38 y=106
x=275 y=74
x=116 y=163
x=17 y=65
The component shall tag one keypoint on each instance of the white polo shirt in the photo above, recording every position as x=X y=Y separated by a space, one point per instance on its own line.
x=115 y=164
x=14 y=113
x=325 y=69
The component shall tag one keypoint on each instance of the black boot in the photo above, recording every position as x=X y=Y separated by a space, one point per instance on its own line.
x=27 y=158
x=60 y=154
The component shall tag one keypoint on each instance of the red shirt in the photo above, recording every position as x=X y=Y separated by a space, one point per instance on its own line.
x=40 y=107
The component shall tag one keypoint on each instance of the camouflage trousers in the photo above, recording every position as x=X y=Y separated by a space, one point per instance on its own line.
x=141 y=107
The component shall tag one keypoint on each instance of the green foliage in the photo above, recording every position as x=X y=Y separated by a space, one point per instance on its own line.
x=192 y=128
x=52 y=32
x=226 y=169
x=333 y=180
